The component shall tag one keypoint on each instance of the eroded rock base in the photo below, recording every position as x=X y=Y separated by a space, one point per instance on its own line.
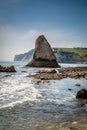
x=43 y=63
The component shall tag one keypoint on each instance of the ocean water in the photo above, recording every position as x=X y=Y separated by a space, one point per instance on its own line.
x=33 y=104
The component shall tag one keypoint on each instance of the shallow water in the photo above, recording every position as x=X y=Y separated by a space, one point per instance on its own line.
x=33 y=104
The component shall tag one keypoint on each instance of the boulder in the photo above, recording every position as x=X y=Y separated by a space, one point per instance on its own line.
x=52 y=71
x=69 y=89
x=82 y=94
x=43 y=54
x=7 y=69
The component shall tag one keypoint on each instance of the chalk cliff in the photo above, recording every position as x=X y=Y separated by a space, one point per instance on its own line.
x=62 y=56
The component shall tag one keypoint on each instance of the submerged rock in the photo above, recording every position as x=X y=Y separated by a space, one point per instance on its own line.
x=77 y=84
x=7 y=69
x=82 y=94
x=43 y=54
x=69 y=89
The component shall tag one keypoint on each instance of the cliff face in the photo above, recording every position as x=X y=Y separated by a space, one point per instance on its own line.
x=25 y=56
x=69 y=57
x=62 y=56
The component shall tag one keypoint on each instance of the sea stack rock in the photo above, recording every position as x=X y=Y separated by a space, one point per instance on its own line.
x=43 y=54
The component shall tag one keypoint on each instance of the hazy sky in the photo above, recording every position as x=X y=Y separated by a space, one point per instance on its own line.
x=63 y=22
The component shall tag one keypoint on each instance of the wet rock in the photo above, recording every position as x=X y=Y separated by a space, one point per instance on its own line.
x=73 y=128
x=82 y=94
x=77 y=84
x=7 y=76
x=24 y=71
x=7 y=69
x=43 y=54
x=82 y=104
x=57 y=74
x=38 y=82
x=42 y=78
x=52 y=71
x=69 y=89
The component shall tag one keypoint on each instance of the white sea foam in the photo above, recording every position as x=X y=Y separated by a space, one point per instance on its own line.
x=16 y=90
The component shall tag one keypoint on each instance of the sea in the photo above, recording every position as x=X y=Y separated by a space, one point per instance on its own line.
x=32 y=104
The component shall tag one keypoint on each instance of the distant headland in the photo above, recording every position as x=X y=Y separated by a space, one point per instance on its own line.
x=63 y=55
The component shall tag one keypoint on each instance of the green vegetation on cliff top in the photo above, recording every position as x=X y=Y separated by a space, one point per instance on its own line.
x=80 y=51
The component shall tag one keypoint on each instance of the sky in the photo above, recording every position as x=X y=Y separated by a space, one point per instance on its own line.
x=62 y=22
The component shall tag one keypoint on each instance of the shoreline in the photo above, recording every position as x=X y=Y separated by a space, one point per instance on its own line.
x=39 y=113
x=57 y=74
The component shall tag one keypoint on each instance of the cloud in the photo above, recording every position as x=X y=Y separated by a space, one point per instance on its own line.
x=11 y=37
x=14 y=42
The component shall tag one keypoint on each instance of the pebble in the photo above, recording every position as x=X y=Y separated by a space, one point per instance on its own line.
x=73 y=123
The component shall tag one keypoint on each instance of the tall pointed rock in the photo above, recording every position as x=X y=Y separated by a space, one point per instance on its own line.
x=43 y=54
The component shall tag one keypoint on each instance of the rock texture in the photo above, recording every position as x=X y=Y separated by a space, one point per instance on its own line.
x=7 y=69
x=82 y=94
x=43 y=54
x=71 y=72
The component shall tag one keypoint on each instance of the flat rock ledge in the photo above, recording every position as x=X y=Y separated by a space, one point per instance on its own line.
x=57 y=74
x=7 y=69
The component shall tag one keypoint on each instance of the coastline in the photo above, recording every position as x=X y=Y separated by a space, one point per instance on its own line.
x=58 y=74
x=53 y=108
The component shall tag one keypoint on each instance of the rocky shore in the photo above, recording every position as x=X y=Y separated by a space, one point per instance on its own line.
x=7 y=69
x=57 y=74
